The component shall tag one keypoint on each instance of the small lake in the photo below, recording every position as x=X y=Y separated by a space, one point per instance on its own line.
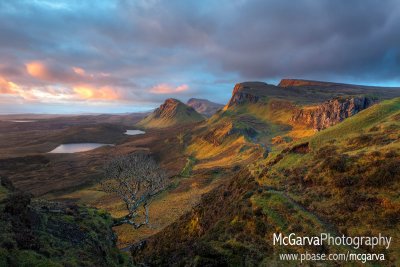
x=74 y=148
x=22 y=121
x=134 y=132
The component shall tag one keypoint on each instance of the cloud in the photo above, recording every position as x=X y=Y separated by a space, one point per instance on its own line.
x=92 y=93
x=79 y=71
x=38 y=69
x=139 y=51
x=164 y=88
x=33 y=94
x=53 y=94
x=7 y=87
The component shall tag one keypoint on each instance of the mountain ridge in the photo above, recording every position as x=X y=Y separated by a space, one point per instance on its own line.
x=288 y=82
x=304 y=91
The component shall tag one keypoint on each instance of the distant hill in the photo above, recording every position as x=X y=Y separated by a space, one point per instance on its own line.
x=322 y=84
x=172 y=112
x=204 y=106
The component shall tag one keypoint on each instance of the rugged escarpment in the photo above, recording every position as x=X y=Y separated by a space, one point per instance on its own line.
x=294 y=108
x=204 y=106
x=243 y=97
x=331 y=112
x=246 y=92
x=170 y=113
x=304 y=92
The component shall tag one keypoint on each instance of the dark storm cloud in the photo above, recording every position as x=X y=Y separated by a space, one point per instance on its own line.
x=311 y=38
x=269 y=39
x=137 y=46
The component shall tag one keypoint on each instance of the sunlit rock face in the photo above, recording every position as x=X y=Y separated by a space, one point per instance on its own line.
x=331 y=112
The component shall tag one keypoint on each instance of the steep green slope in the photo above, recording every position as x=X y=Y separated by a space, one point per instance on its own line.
x=378 y=115
x=41 y=233
x=232 y=226
x=172 y=112
x=349 y=175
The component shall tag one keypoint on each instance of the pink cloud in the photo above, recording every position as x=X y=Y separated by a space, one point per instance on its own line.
x=101 y=93
x=79 y=71
x=38 y=70
x=53 y=72
x=56 y=94
x=164 y=88
x=8 y=87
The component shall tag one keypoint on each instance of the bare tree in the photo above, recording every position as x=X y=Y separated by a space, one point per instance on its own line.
x=136 y=179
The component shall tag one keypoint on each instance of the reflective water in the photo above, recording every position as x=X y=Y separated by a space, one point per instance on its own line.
x=134 y=132
x=74 y=148
x=22 y=121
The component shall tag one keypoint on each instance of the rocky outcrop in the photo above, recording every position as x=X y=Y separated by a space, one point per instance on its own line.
x=331 y=112
x=241 y=94
x=204 y=106
x=243 y=97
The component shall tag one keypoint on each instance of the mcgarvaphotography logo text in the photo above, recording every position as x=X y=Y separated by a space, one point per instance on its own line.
x=327 y=239
x=355 y=244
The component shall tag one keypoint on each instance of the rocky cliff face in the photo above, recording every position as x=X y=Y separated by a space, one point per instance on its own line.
x=331 y=112
x=204 y=106
x=243 y=93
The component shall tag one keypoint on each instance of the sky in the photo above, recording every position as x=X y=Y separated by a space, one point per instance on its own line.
x=111 y=56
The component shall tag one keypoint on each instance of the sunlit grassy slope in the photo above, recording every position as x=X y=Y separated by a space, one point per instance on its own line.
x=241 y=134
x=381 y=116
x=343 y=180
x=183 y=194
x=351 y=175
